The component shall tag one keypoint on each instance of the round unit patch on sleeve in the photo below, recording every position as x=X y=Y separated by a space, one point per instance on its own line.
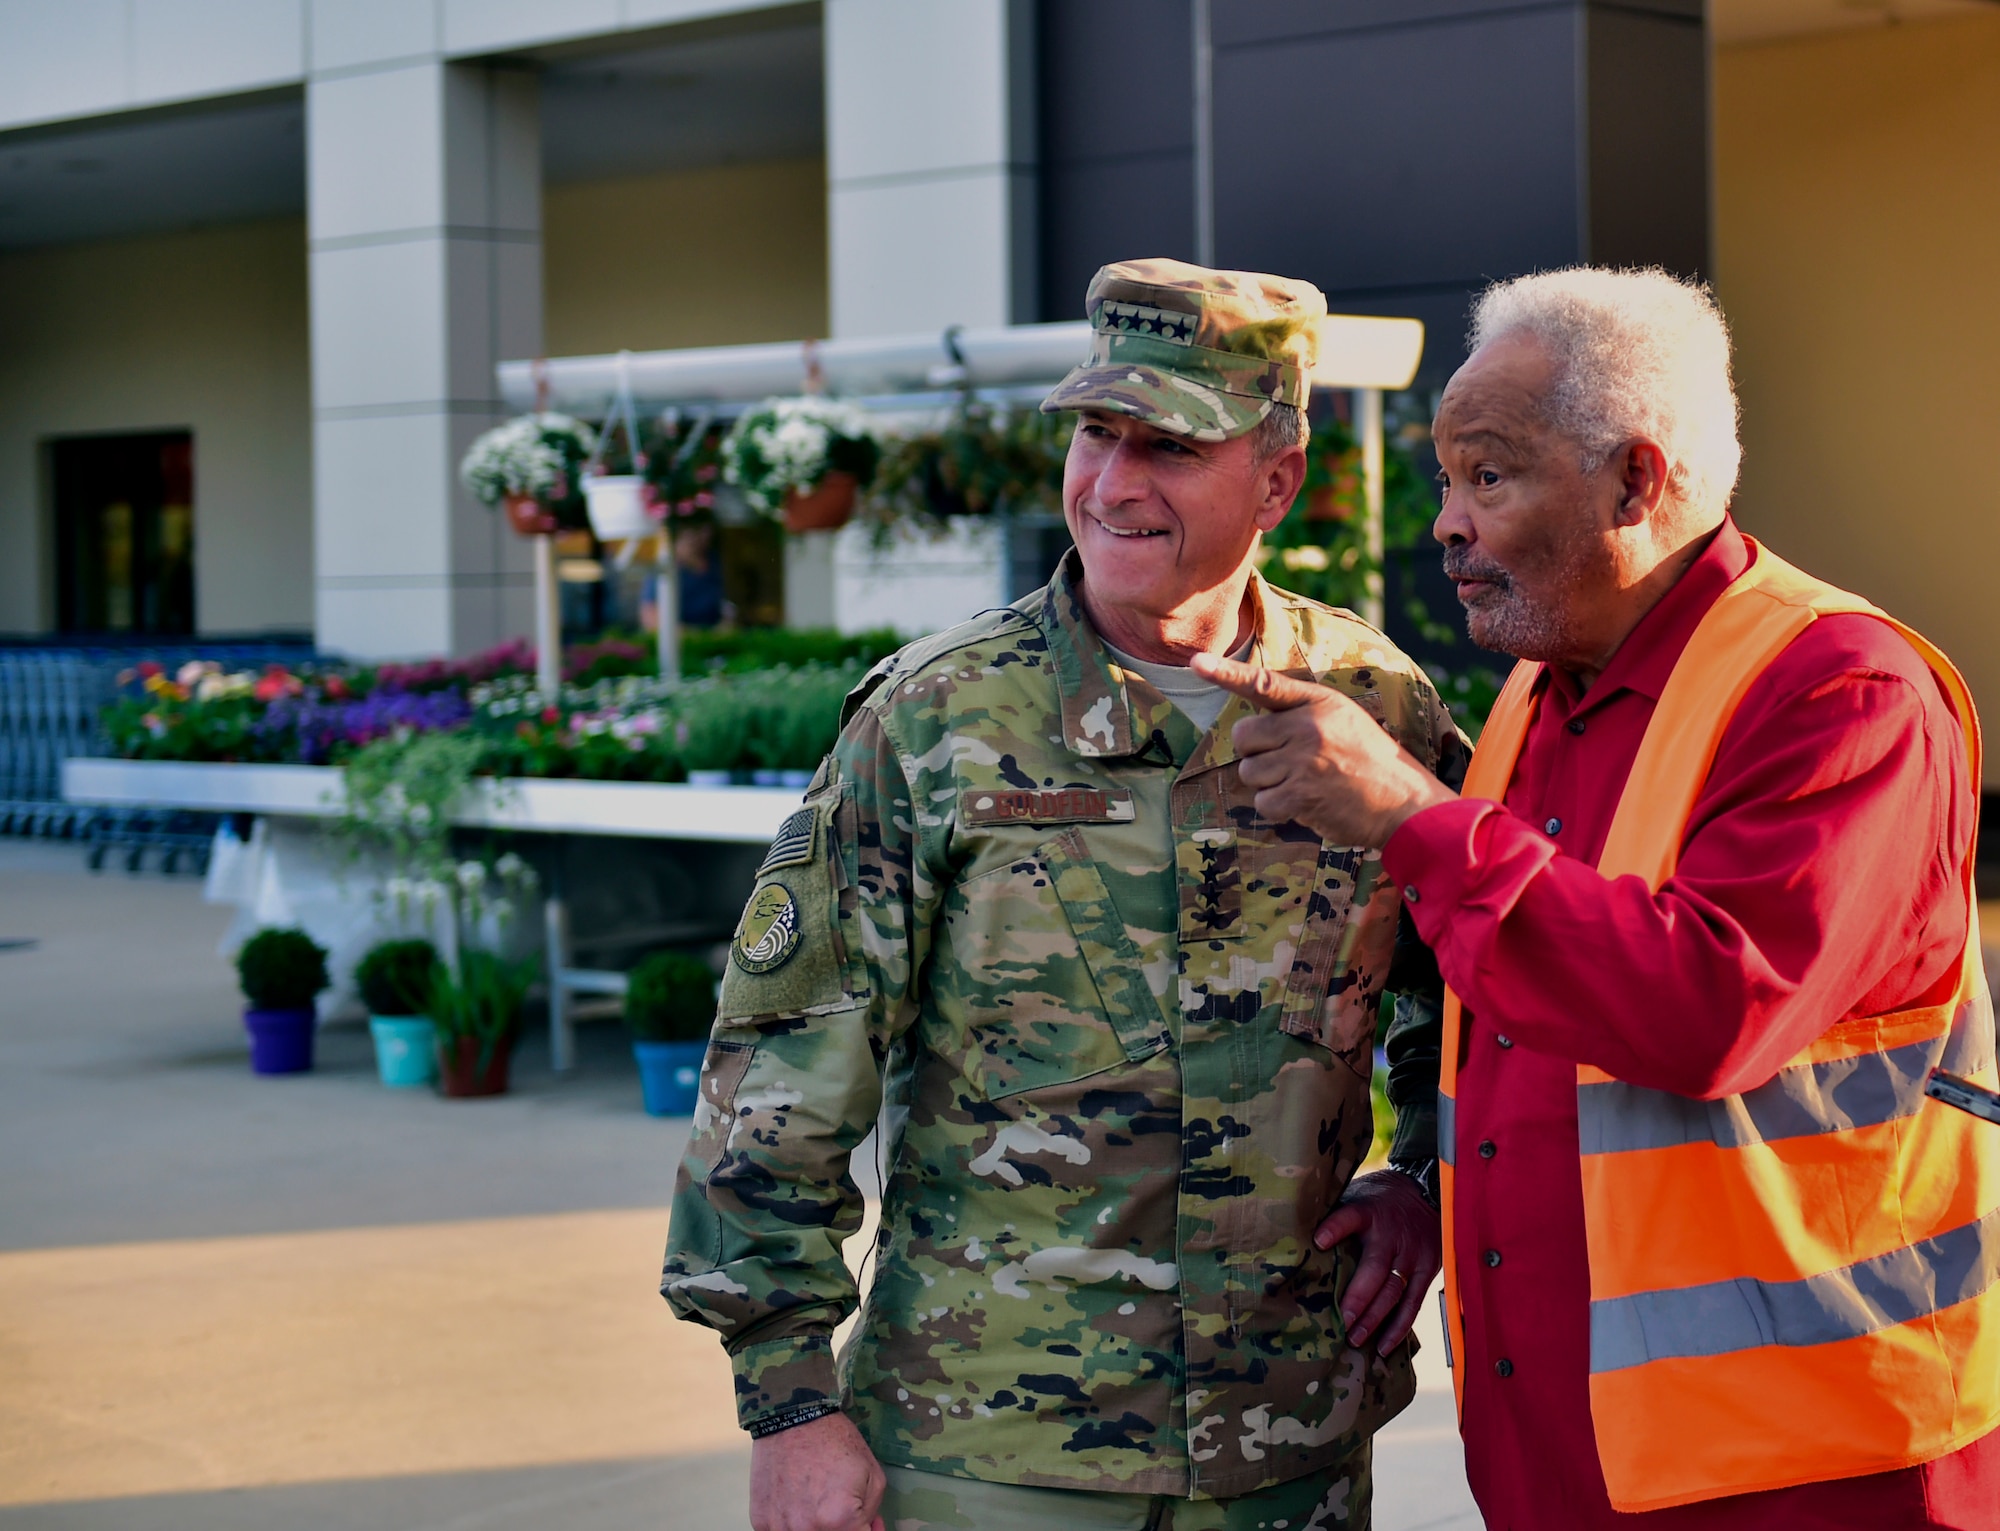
x=769 y=933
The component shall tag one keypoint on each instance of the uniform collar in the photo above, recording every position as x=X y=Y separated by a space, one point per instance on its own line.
x=1651 y=650
x=1097 y=706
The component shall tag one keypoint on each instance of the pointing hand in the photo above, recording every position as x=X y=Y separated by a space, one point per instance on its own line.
x=1316 y=758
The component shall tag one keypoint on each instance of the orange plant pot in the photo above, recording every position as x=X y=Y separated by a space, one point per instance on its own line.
x=826 y=508
x=526 y=516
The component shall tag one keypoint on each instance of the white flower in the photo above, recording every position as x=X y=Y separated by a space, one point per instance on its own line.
x=471 y=876
x=784 y=443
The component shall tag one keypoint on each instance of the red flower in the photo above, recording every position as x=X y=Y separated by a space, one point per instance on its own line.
x=551 y=715
x=148 y=668
x=337 y=688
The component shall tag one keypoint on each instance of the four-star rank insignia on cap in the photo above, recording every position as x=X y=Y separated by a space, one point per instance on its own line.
x=769 y=933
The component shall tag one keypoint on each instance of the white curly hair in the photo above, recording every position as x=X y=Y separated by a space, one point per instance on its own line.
x=1636 y=353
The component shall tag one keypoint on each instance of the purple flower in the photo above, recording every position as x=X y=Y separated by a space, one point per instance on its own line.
x=320 y=727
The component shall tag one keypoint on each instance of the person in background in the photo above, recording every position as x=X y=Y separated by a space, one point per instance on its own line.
x=702 y=603
x=1126 y=1275
x=1706 y=914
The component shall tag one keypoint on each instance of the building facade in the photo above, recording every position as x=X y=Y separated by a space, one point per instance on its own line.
x=258 y=258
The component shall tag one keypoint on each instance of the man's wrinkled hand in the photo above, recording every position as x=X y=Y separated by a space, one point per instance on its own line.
x=1402 y=1250
x=1315 y=758
x=819 y=1476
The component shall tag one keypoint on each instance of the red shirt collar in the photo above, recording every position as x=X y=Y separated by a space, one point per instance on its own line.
x=1650 y=651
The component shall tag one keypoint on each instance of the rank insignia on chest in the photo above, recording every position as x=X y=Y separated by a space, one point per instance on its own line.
x=1057 y=805
x=769 y=933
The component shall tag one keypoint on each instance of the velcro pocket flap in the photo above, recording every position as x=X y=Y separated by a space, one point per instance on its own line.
x=1108 y=949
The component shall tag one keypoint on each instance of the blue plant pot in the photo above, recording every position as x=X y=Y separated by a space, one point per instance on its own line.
x=669 y=1076
x=405 y=1050
x=281 y=1041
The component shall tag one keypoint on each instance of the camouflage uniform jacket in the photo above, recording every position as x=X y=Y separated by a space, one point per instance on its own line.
x=1126 y=1026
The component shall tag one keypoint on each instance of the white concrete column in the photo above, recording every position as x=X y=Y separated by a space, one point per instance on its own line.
x=424 y=230
x=931 y=221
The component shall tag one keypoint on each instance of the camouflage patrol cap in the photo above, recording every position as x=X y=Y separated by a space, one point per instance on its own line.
x=1200 y=353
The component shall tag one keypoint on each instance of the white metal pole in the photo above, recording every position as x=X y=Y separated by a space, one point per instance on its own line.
x=548 y=619
x=1368 y=429
x=1204 y=136
x=667 y=605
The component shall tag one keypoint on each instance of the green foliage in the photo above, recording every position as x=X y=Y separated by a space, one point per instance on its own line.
x=395 y=977
x=764 y=648
x=984 y=459
x=1320 y=550
x=1469 y=693
x=481 y=1001
x=401 y=791
x=670 y=997
x=155 y=728
x=281 y=969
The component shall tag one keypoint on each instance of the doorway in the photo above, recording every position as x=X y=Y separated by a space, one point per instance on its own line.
x=124 y=508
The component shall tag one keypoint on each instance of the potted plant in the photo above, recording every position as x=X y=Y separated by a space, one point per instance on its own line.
x=533 y=465
x=281 y=971
x=477 y=1013
x=802 y=460
x=669 y=1009
x=395 y=979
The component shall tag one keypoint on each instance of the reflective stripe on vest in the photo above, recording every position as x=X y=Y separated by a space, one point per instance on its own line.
x=1801 y=1282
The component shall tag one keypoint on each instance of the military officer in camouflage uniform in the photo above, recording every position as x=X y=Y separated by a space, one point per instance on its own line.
x=1118 y=1026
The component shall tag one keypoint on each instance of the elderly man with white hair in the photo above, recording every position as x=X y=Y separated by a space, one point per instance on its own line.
x=1705 y=911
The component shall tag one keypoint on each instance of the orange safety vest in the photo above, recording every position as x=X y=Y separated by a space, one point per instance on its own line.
x=1801 y=1282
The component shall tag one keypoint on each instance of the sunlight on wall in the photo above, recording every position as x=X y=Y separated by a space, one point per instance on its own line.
x=721 y=256
x=1857 y=218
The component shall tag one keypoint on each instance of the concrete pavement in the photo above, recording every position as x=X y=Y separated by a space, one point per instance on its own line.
x=316 y=1303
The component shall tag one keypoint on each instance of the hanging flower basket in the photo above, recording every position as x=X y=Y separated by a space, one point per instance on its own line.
x=533 y=467
x=825 y=508
x=801 y=460
x=618 y=507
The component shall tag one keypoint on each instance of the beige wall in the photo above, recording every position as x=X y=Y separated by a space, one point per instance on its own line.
x=721 y=256
x=1858 y=255
x=202 y=330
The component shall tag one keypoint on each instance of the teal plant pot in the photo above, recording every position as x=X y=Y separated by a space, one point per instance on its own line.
x=405 y=1050
x=669 y=1076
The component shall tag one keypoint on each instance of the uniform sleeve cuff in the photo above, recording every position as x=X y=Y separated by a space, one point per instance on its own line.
x=780 y=1377
x=1416 y=1136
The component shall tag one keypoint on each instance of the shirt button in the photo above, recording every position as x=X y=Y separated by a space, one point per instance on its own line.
x=1504 y=1041
x=1492 y=1259
x=1410 y=894
x=1487 y=1149
x=1575 y=725
x=1504 y=1367
x=1553 y=827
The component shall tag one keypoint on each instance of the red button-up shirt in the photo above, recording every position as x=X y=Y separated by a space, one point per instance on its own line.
x=1819 y=877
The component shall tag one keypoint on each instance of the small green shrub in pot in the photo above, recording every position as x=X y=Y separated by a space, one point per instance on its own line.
x=669 y=1008
x=395 y=977
x=281 y=970
x=670 y=997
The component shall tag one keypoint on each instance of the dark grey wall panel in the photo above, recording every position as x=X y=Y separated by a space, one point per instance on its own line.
x=1247 y=21
x=1117 y=139
x=1400 y=153
x=1647 y=119
x=1401 y=159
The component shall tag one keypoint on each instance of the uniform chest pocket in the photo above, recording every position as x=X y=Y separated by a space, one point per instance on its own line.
x=1043 y=975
